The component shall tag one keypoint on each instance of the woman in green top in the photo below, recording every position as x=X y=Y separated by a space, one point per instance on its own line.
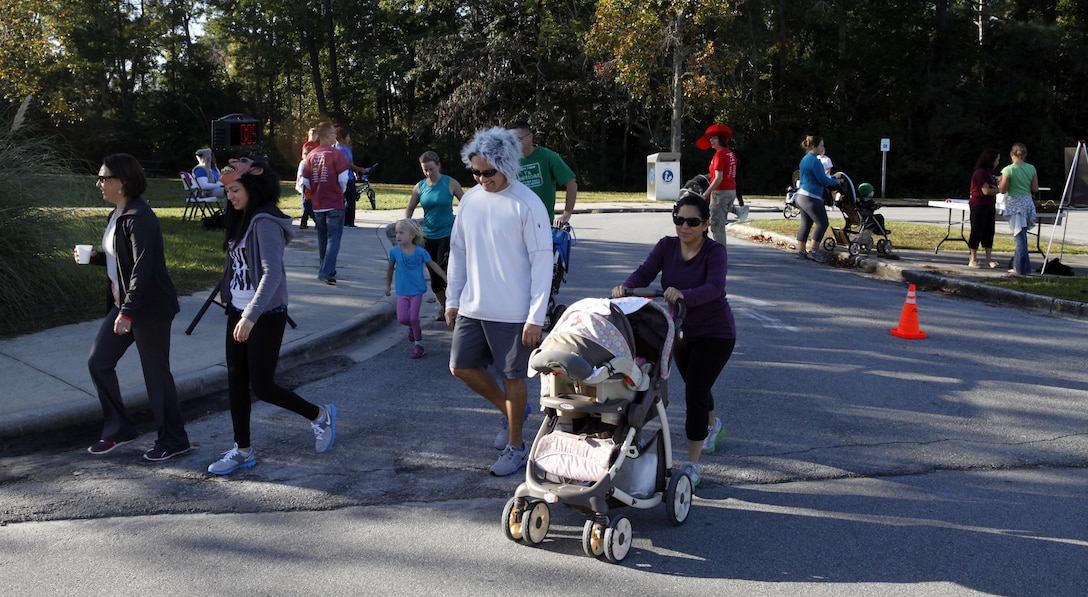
x=1019 y=182
x=435 y=193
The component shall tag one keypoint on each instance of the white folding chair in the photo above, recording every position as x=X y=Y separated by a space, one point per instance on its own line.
x=196 y=203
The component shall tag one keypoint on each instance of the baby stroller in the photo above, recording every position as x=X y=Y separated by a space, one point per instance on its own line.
x=605 y=438
x=562 y=240
x=862 y=221
x=789 y=207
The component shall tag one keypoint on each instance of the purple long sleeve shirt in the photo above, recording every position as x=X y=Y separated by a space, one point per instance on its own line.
x=701 y=279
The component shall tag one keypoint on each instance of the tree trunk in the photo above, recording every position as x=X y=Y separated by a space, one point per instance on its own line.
x=315 y=71
x=334 y=72
x=677 y=96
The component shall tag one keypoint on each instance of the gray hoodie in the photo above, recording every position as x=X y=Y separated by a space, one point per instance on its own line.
x=266 y=239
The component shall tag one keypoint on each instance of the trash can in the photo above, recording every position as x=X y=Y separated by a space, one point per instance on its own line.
x=663 y=176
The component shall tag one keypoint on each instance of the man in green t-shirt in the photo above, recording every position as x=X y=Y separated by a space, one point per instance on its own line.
x=542 y=170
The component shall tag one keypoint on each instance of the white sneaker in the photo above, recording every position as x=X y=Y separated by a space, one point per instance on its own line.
x=510 y=461
x=714 y=435
x=742 y=213
x=325 y=429
x=694 y=471
x=232 y=460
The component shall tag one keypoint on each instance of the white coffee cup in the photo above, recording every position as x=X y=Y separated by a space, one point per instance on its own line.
x=83 y=254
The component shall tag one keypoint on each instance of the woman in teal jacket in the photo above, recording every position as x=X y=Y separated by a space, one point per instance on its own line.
x=810 y=199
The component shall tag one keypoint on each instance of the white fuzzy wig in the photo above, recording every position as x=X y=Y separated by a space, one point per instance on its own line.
x=499 y=147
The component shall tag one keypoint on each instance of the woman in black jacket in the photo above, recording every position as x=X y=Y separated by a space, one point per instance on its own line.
x=142 y=305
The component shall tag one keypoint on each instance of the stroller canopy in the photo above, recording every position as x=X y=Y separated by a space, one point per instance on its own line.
x=632 y=327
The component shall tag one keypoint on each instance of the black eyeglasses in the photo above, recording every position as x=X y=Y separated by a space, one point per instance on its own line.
x=104 y=178
x=691 y=222
x=484 y=173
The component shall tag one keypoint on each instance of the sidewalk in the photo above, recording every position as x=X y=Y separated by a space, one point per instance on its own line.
x=47 y=387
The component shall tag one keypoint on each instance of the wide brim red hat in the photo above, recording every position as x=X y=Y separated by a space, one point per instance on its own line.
x=714 y=130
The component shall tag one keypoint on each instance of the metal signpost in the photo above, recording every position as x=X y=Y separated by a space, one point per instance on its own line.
x=885 y=147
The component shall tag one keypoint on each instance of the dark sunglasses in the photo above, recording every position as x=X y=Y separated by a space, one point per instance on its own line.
x=692 y=222
x=104 y=178
x=484 y=173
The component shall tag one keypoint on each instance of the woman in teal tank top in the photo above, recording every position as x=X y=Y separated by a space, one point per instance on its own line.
x=435 y=194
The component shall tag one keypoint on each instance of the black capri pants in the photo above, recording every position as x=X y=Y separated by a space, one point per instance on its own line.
x=700 y=361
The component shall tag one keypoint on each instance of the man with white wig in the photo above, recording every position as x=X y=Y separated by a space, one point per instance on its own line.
x=500 y=273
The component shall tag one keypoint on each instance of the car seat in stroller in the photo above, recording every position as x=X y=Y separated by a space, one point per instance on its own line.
x=605 y=440
x=862 y=222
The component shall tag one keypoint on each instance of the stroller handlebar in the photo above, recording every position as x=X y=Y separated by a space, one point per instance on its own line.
x=679 y=311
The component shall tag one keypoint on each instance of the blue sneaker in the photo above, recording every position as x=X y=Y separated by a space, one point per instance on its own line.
x=503 y=436
x=231 y=461
x=510 y=461
x=714 y=435
x=325 y=429
x=695 y=473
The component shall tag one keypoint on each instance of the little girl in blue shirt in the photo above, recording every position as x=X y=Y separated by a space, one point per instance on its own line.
x=407 y=259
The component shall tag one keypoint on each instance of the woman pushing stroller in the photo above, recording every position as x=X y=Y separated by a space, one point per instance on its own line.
x=809 y=198
x=693 y=268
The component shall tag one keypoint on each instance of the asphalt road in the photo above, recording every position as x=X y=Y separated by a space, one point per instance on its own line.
x=854 y=463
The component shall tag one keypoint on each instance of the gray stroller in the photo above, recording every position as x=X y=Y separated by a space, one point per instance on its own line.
x=605 y=441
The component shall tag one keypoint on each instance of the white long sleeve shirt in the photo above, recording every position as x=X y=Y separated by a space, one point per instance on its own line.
x=500 y=266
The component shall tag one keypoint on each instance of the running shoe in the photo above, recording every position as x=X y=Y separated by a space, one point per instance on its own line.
x=695 y=473
x=158 y=454
x=510 y=461
x=418 y=351
x=106 y=446
x=325 y=429
x=232 y=460
x=714 y=435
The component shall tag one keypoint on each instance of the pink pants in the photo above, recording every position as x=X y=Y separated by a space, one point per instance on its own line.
x=408 y=313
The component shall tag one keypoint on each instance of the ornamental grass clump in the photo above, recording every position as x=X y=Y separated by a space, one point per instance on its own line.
x=40 y=284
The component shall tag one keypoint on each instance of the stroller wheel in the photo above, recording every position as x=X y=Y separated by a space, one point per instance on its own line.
x=534 y=523
x=790 y=211
x=855 y=249
x=884 y=246
x=678 y=499
x=829 y=244
x=617 y=540
x=511 y=520
x=593 y=539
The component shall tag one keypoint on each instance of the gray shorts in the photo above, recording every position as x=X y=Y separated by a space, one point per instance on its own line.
x=478 y=343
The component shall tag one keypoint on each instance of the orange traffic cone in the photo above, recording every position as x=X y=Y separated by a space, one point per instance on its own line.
x=908 y=319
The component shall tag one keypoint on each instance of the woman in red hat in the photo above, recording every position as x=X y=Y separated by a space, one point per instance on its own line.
x=722 y=191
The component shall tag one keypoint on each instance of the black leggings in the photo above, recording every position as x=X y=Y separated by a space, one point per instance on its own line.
x=253 y=363
x=700 y=361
